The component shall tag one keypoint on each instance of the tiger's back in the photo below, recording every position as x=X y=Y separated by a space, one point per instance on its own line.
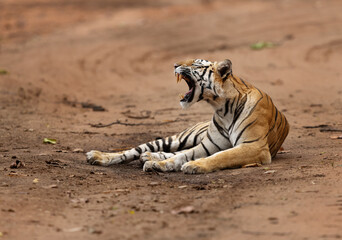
x=274 y=120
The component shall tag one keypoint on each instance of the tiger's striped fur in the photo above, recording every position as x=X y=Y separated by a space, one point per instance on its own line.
x=246 y=127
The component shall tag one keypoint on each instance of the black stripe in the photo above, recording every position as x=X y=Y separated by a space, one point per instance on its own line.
x=281 y=120
x=276 y=142
x=281 y=140
x=166 y=146
x=193 y=155
x=231 y=106
x=209 y=87
x=205 y=149
x=274 y=121
x=240 y=80
x=211 y=140
x=201 y=95
x=197 y=76
x=125 y=157
x=259 y=91
x=236 y=88
x=225 y=78
x=210 y=72
x=219 y=128
x=182 y=143
x=238 y=111
x=170 y=142
x=182 y=133
x=214 y=88
x=240 y=134
x=199 y=133
x=251 y=141
x=158 y=146
x=186 y=158
x=272 y=146
x=244 y=82
x=138 y=149
x=150 y=147
x=276 y=115
x=226 y=107
x=264 y=145
x=205 y=70
x=250 y=112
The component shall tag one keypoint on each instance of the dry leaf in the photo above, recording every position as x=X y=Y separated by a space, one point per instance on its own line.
x=284 y=151
x=336 y=137
x=154 y=184
x=270 y=171
x=262 y=44
x=51 y=186
x=121 y=190
x=75 y=229
x=131 y=212
x=80 y=200
x=50 y=140
x=184 y=210
x=78 y=150
x=252 y=165
x=3 y=72
x=36 y=180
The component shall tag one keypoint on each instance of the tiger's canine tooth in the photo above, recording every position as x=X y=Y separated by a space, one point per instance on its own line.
x=179 y=77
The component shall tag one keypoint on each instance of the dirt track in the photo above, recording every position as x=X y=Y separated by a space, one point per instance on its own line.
x=120 y=55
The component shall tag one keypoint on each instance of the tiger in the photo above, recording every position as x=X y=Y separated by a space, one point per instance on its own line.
x=246 y=128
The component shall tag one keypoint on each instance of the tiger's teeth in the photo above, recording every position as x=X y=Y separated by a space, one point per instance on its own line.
x=181 y=96
x=179 y=77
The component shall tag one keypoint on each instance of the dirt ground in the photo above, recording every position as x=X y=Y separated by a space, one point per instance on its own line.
x=57 y=57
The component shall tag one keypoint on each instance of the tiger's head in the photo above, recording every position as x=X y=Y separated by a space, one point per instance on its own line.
x=205 y=79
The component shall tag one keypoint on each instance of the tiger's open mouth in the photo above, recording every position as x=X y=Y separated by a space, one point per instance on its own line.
x=190 y=94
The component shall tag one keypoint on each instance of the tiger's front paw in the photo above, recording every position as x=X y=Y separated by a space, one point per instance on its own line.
x=160 y=166
x=194 y=167
x=145 y=157
x=95 y=157
x=149 y=156
x=103 y=159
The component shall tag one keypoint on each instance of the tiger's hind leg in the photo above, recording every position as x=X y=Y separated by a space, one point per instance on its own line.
x=186 y=139
x=241 y=155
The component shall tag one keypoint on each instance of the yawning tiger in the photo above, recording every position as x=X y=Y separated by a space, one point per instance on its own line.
x=246 y=127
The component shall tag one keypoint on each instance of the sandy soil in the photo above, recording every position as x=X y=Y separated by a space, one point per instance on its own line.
x=56 y=55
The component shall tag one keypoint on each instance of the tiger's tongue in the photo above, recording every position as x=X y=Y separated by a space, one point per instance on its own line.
x=189 y=91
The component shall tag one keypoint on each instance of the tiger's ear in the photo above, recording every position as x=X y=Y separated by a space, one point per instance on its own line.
x=224 y=68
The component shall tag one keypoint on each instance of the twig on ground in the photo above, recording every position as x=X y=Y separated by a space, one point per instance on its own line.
x=324 y=128
x=100 y=125
x=317 y=126
x=330 y=130
x=142 y=115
